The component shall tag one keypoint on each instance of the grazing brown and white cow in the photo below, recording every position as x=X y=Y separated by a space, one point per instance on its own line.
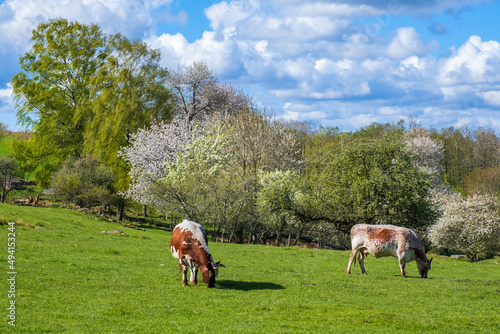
x=190 y=246
x=387 y=240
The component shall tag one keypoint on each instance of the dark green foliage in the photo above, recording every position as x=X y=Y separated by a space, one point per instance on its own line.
x=85 y=182
x=374 y=181
x=2 y=131
x=9 y=174
x=483 y=181
x=458 y=162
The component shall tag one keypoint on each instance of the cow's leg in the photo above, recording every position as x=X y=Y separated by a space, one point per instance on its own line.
x=402 y=266
x=361 y=259
x=194 y=273
x=352 y=259
x=184 y=273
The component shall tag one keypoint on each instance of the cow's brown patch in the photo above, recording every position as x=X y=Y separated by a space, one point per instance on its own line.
x=381 y=235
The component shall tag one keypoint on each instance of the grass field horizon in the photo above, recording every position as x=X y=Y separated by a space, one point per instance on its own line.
x=74 y=279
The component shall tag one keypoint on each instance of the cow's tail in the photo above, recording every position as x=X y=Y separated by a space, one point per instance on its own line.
x=180 y=269
x=354 y=258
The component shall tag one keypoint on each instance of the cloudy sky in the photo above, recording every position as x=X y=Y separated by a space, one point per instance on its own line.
x=334 y=62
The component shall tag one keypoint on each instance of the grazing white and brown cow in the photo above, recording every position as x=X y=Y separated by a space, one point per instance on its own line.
x=387 y=240
x=190 y=246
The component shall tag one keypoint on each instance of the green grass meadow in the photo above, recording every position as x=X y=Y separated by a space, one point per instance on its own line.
x=74 y=279
x=5 y=144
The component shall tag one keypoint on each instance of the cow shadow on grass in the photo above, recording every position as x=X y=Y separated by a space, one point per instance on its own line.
x=248 y=286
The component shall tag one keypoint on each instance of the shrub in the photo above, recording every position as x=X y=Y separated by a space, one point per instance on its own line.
x=86 y=182
x=9 y=173
x=470 y=225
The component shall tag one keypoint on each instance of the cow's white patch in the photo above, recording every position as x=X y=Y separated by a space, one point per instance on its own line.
x=408 y=255
x=197 y=231
x=175 y=252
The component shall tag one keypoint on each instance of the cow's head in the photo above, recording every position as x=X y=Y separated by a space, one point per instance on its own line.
x=210 y=272
x=424 y=267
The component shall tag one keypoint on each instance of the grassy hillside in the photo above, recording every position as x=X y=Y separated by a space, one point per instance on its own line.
x=74 y=279
x=5 y=140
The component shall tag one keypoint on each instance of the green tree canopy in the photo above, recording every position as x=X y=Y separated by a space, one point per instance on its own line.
x=86 y=182
x=374 y=181
x=82 y=91
x=127 y=93
x=53 y=85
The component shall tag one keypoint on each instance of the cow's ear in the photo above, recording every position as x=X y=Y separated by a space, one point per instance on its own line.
x=218 y=264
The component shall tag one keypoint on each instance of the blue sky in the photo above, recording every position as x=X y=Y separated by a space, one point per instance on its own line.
x=336 y=62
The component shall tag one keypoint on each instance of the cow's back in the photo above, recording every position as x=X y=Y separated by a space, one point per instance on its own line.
x=379 y=240
x=188 y=237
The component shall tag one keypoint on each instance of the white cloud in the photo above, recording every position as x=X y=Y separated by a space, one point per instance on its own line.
x=219 y=54
x=6 y=94
x=225 y=16
x=343 y=63
x=491 y=98
x=366 y=7
x=7 y=112
x=328 y=66
x=300 y=112
x=474 y=62
x=316 y=9
x=297 y=54
x=406 y=43
x=133 y=18
x=389 y=111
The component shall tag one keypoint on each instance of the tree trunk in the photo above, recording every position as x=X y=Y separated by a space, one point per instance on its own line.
x=121 y=211
x=144 y=211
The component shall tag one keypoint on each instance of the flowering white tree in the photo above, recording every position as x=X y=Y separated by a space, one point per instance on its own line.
x=210 y=173
x=427 y=152
x=148 y=154
x=188 y=184
x=470 y=225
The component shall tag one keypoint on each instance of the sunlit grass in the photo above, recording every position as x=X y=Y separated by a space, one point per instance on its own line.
x=74 y=279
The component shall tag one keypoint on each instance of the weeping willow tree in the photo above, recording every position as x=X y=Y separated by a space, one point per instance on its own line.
x=83 y=93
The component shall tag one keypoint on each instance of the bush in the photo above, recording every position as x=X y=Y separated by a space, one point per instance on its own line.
x=86 y=182
x=470 y=225
x=9 y=173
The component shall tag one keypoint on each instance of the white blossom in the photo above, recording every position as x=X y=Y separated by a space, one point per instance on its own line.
x=428 y=153
x=470 y=225
x=148 y=154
